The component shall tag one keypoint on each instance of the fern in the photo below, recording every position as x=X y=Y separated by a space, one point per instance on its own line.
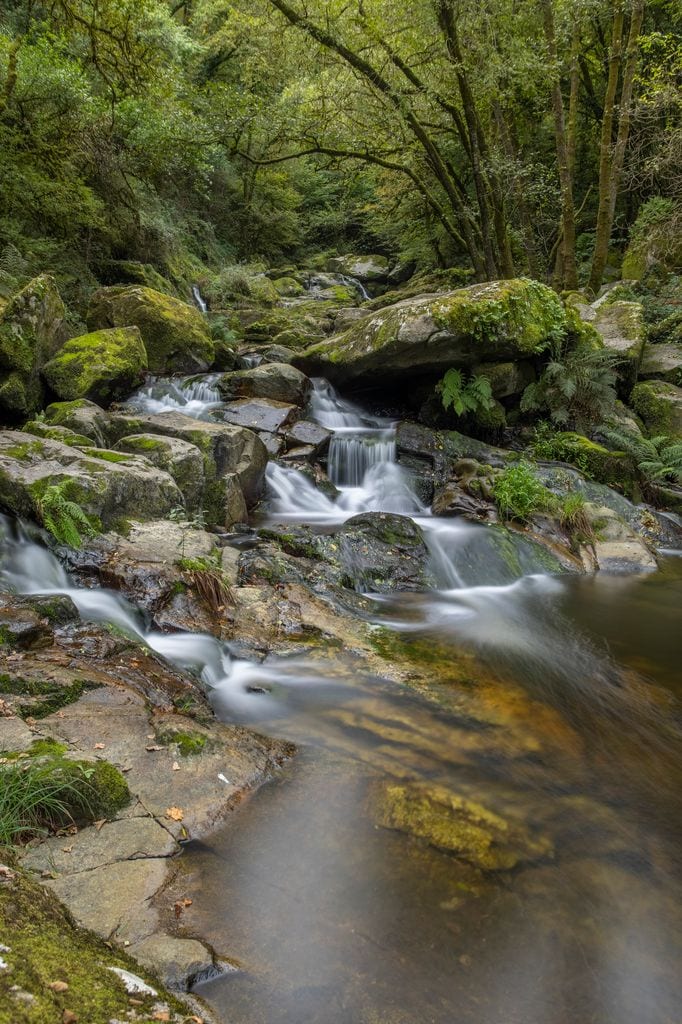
x=463 y=395
x=657 y=458
x=576 y=389
x=64 y=519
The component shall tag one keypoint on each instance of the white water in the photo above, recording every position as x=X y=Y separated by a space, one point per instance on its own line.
x=195 y=396
x=198 y=298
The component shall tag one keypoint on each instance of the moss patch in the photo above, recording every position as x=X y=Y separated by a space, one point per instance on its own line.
x=102 y=366
x=43 y=696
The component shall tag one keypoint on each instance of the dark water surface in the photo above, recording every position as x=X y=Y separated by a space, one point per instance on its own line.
x=567 y=728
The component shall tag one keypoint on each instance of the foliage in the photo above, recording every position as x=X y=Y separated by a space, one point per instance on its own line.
x=550 y=446
x=63 y=518
x=575 y=520
x=206 y=576
x=657 y=458
x=39 y=794
x=465 y=396
x=519 y=493
x=576 y=388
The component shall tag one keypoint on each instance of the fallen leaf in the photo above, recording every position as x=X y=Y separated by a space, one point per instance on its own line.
x=98 y=824
x=161 y=1015
x=69 y=1017
x=154 y=746
x=180 y=905
x=67 y=849
x=98 y=746
x=136 y=1002
x=193 y=1020
x=174 y=813
x=176 y=766
x=58 y=986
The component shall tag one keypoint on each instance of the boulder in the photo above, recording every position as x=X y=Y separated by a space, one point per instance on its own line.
x=32 y=328
x=234 y=459
x=507 y=379
x=84 y=418
x=175 y=335
x=103 y=366
x=497 y=321
x=617 y=547
x=662 y=362
x=108 y=490
x=660 y=406
x=63 y=434
x=259 y=414
x=368 y=269
x=381 y=552
x=310 y=434
x=181 y=459
x=621 y=326
x=277 y=381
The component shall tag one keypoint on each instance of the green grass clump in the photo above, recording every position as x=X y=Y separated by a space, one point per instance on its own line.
x=520 y=494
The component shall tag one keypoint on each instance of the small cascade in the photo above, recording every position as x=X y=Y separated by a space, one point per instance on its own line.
x=198 y=298
x=250 y=359
x=353 y=454
x=195 y=396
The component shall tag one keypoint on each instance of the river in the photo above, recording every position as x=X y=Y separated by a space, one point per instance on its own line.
x=550 y=722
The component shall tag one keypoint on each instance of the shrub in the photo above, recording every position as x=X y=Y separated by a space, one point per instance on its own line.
x=519 y=494
x=576 y=388
x=657 y=458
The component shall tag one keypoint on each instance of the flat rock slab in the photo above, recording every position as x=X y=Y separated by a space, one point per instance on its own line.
x=307 y=433
x=180 y=962
x=14 y=734
x=126 y=839
x=662 y=362
x=259 y=414
x=115 y=900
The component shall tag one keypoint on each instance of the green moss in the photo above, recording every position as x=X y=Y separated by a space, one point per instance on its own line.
x=102 y=366
x=14 y=397
x=45 y=946
x=46 y=696
x=188 y=743
x=144 y=443
x=57 y=433
x=594 y=460
x=25 y=452
x=45 y=746
x=108 y=456
x=658 y=403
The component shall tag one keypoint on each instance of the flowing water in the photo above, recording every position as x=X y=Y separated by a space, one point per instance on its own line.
x=551 y=720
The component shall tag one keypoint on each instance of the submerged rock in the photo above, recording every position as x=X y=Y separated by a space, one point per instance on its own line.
x=501 y=320
x=457 y=824
x=175 y=335
x=103 y=366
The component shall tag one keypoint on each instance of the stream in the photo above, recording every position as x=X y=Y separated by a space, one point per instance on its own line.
x=552 y=718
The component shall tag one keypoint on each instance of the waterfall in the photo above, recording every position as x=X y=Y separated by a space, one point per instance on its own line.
x=195 y=396
x=198 y=298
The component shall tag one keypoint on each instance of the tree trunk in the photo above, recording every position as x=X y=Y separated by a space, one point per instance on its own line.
x=568 y=264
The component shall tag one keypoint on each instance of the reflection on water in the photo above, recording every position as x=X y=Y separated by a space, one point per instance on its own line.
x=550 y=735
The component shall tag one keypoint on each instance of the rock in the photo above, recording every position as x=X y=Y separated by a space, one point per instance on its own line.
x=617 y=547
x=662 y=362
x=32 y=328
x=175 y=334
x=180 y=963
x=54 y=433
x=349 y=316
x=616 y=469
x=305 y=432
x=381 y=553
x=498 y=321
x=233 y=457
x=277 y=381
x=126 y=839
x=368 y=269
x=103 y=367
x=104 y=488
x=84 y=418
x=181 y=459
x=507 y=379
x=259 y=414
x=660 y=406
x=275 y=354
x=621 y=327
x=288 y=287
x=457 y=824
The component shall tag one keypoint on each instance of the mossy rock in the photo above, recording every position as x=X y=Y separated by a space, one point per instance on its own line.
x=175 y=334
x=497 y=321
x=288 y=287
x=660 y=406
x=594 y=460
x=457 y=824
x=56 y=433
x=116 y=272
x=32 y=328
x=103 y=366
x=81 y=417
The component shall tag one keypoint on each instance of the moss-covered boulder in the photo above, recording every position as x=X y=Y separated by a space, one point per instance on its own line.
x=55 y=433
x=108 y=486
x=507 y=379
x=497 y=321
x=32 y=328
x=660 y=406
x=381 y=552
x=82 y=417
x=288 y=287
x=594 y=460
x=103 y=366
x=373 y=269
x=175 y=335
x=183 y=460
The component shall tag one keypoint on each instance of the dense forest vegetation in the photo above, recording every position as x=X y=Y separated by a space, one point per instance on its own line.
x=537 y=137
